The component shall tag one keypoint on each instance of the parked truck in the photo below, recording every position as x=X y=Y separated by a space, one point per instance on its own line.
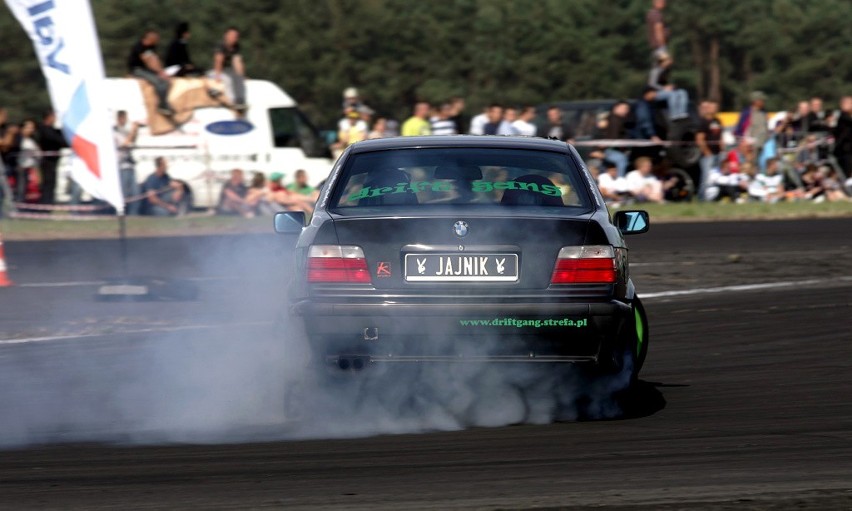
x=273 y=135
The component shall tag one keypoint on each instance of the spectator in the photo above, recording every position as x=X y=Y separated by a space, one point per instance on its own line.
x=300 y=185
x=800 y=121
x=457 y=114
x=418 y=123
x=351 y=129
x=787 y=128
x=831 y=184
x=286 y=199
x=644 y=113
x=768 y=187
x=442 y=123
x=510 y=115
x=556 y=127
x=164 y=195
x=642 y=184
x=722 y=184
x=524 y=125
x=8 y=134
x=709 y=141
x=477 y=124
x=178 y=61
x=818 y=120
x=366 y=115
x=29 y=159
x=676 y=100
x=807 y=152
x=496 y=125
x=144 y=63
x=7 y=138
x=259 y=196
x=232 y=199
x=392 y=128
x=658 y=32
x=379 y=129
x=616 y=129
x=741 y=155
x=228 y=61
x=51 y=141
x=125 y=139
x=352 y=119
x=351 y=99
x=753 y=122
x=612 y=186
x=843 y=136
x=811 y=183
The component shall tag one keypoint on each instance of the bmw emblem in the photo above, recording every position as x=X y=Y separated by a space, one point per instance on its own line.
x=460 y=228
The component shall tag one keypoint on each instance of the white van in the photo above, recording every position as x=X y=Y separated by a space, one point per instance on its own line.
x=274 y=136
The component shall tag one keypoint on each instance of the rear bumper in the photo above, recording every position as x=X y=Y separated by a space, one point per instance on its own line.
x=389 y=332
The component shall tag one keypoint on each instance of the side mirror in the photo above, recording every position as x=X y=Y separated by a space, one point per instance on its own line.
x=289 y=222
x=632 y=222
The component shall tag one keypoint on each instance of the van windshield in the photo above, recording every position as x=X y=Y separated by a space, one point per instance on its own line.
x=290 y=128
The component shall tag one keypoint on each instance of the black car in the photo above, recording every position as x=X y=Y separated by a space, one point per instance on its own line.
x=466 y=248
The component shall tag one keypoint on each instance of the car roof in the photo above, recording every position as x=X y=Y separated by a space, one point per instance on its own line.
x=483 y=141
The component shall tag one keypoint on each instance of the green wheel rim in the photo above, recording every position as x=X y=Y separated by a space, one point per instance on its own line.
x=640 y=330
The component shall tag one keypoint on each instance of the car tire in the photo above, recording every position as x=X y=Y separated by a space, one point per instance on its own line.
x=623 y=360
x=640 y=329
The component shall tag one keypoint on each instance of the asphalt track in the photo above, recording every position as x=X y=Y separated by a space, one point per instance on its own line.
x=744 y=401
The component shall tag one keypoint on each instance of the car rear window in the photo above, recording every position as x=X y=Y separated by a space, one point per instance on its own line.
x=460 y=176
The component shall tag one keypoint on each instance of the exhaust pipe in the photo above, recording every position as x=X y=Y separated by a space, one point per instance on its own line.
x=371 y=334
x=355 y=364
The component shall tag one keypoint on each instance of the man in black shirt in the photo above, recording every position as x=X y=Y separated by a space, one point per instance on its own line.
x=555 y=127
x=51 y=141
x=616 y=129
x=144 y=63
x=178 y=53
x=227 y=60
x=843 y=136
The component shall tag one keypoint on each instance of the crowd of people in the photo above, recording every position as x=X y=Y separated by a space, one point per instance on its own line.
x=803 y=154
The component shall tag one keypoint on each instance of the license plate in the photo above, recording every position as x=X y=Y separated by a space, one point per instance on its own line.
x=461 y=267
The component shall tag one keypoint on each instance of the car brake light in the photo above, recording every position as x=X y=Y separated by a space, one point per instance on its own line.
x=337 y=263
x=594 y=264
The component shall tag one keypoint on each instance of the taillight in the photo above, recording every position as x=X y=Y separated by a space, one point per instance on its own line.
x=593 y=264
x=337 y=263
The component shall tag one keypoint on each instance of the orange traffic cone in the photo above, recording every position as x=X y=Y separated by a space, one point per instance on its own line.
x=4 y=279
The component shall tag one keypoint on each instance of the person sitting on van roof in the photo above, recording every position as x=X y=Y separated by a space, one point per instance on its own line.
x=144 y=63
x=178 y=61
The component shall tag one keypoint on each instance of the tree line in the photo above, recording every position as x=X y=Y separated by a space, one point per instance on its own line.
x=510 y=51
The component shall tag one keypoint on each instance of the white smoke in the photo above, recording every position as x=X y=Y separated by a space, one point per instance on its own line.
x=247 y=382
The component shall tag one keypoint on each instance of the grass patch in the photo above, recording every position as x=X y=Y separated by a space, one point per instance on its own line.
x=139 y=227
x=711 y=211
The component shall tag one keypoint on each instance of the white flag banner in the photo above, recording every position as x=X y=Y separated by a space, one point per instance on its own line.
x=66 y=42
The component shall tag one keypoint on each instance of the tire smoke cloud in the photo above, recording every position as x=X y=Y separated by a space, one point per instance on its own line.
x=250 y=377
